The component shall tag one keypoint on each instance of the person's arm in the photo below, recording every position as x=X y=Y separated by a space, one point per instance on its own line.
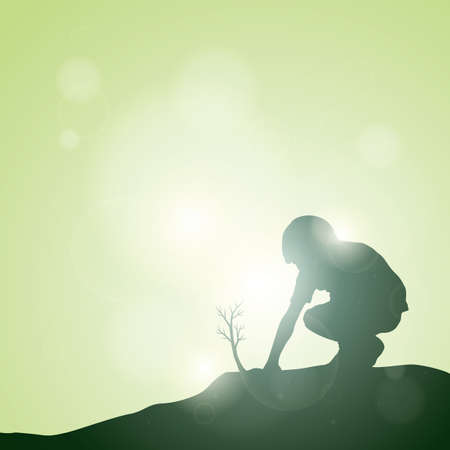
x=302 y=295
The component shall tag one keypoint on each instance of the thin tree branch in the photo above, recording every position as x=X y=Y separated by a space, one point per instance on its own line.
x=233 y=333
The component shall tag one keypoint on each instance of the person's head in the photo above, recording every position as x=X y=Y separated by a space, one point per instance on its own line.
x=306 y=239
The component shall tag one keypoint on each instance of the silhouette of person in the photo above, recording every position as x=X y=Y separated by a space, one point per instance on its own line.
x=366 y=296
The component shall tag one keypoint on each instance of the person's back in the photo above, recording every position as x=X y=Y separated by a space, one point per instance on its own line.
x=362 y=286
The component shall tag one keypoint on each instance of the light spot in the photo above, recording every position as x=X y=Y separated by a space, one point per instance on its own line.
x=379 y=145
x=204 y=413
x=203 y=369
x=400 y=400
x=259 y=282
x=88 y=118
x=78 y=80
x=69 y=139
x=192 y=222
x=343 y=233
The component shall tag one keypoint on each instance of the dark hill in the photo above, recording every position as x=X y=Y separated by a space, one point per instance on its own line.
x=400 y=407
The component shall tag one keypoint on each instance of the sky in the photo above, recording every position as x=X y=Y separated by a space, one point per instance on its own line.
x=152 y=155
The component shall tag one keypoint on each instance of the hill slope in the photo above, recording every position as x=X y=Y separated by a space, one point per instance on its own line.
x=315 y=408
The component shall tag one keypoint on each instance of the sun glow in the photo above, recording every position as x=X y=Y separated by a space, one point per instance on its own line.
x=343 y=232
x=191 y=221
x=204 y=369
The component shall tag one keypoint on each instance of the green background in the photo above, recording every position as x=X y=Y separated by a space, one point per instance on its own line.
x=205 y=127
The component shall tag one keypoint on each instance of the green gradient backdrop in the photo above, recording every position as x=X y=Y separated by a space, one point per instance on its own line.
x=210 y=129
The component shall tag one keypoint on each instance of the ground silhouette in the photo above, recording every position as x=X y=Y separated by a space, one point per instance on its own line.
x=400 y=407
x=345 y=404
